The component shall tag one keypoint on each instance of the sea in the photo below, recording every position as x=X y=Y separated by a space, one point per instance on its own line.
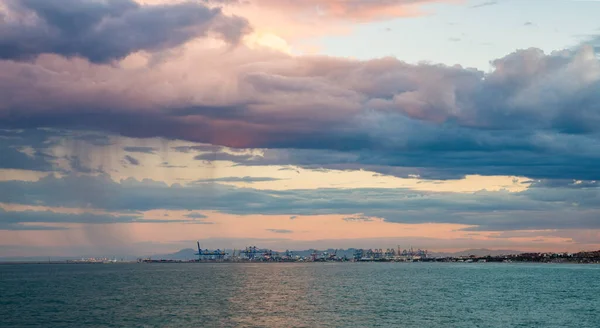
x=300 y=295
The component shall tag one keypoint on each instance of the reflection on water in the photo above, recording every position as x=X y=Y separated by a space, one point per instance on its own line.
x=300 y=295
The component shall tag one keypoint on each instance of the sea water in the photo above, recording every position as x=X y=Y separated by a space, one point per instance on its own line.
x=300 y=295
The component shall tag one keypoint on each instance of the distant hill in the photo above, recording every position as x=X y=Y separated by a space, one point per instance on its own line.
x=184 y=254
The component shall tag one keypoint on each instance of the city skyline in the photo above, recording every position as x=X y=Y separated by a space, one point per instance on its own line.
x=140 y=126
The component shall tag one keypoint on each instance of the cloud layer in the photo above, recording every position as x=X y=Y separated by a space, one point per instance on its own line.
x=102 y=31
x=205 y=79
x=570 y=206
x=533 y=109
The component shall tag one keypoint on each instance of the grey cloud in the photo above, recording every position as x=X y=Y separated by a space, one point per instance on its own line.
x=560 y=219
x=196 y=216
x=450 y=157
x=81 y=166
x=170 y=166
x=95 y=139
x=14 y=220
x=358 y=219
x=531 y=209
x=27 y=227
x=485 y=4
x=12 y=158
x=26 y=150
x=131 y=160
x=584 y=236
x=223 y=156
x=562 y=183
x=535 y=115
x=27 y=220
x=105 y=30
x=282 y=231
x=140 y=149
x=198 y=148
x=238 y=179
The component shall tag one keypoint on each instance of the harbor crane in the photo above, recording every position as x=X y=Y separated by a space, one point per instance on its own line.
x=214 y=254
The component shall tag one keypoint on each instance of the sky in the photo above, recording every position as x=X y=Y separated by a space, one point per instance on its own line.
x=134 y=127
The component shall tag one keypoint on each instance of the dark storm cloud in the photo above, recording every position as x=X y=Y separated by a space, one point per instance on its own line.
x=535 y=114
x=536 y=208
x=105 y=30
x=450 y=157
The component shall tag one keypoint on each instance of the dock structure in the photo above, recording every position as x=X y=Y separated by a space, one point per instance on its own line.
x=204 y=255
x=253 y=253
x=389 y=255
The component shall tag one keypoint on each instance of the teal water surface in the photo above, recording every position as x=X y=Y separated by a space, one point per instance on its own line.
x=300 y=295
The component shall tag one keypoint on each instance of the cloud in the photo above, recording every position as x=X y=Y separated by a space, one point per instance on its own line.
x=196 y=215
x=485 y=4
x=21 y=220
x=538 y=220
x=445 y=121
x=355 y=10
x=358 y=219
x=534 y=209
x=238 y=179
x=198 y=148
x=25 y=151
x=225 y=156
x=95 y=139
x=277 y=23
x=140 y=149
x=102 y=31
x=76 y=164
x=35 y=220
x=281 y=231
x=167 y=165
x=131 y=160
x=12 y=158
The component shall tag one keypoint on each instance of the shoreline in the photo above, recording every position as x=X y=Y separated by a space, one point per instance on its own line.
x=283 y=262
